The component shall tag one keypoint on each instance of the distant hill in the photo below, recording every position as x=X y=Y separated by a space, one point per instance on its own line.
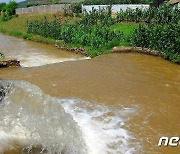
x=23 y=4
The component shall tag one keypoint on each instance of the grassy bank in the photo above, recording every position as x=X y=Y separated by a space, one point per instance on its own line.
x=18 y=27
x=98 y=32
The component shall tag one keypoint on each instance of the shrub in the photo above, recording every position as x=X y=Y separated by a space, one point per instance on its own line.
x=164 y=38
x=8 y=10
x=94 y=17
x=45 y=28
x=93 y=31
x=162 y=15
x=5 y=17
x=77 y=8
x=95 y=36
x=2 y=5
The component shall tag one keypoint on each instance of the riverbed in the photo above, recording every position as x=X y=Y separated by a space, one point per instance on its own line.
x=122 y=103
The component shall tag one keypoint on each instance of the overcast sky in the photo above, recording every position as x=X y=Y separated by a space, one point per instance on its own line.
x=6 y=1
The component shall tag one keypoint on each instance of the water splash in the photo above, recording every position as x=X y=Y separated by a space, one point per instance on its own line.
x=102 y=126
x=40 y=60
x=29 y=118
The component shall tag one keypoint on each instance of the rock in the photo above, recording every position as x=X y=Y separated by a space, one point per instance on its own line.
x=9 y=63
x=76 y=50
x=5 y=88
x=2 y=92
x=137 y=49
x=122 y=49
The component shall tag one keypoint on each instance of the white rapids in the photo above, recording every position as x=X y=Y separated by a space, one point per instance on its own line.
x=29 y=118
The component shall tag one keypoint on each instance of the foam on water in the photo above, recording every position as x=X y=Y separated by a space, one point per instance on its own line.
x=35 y=59
x=28 y=117
x=31 y=54
x=102 y=127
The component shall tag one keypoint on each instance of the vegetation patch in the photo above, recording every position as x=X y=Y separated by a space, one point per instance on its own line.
x=92 y=32
x=2 y=55
x=98 y=32
x=164 y=38
x=162 y=15
x=7 y=11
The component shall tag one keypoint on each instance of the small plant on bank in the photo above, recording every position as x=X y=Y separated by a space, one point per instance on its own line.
x=2 y=55
x=45 y=28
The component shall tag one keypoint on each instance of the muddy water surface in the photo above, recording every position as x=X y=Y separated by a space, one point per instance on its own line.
x=148 y=85
x=34 y=54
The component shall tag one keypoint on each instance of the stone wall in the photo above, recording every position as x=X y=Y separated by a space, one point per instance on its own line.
x=43 y=9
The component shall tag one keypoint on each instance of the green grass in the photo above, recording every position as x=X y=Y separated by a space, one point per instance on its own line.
x=19 y=23
x=17 y=27
x=126 y=28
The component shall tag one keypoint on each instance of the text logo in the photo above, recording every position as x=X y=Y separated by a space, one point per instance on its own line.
x=165 y=141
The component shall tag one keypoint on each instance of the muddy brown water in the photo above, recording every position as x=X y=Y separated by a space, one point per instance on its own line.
x=149 y=84
x=33 y=54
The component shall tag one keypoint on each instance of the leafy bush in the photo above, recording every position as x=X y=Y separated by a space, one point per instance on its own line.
x=164 y=38
x=45 y=28
x=93 y=31
x=162 y=15
x=77 y=8
x=8 y=10
x=162 y=32
x=95 y=36
x=5 y=17
x=2 y=5
x=94 y=17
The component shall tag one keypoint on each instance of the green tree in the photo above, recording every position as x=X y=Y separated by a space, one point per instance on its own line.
x=2 y=5
x=11 y=7
x=156 y=3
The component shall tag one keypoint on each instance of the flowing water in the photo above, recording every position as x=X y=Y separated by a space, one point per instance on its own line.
x=34 y=54
x=116 y=103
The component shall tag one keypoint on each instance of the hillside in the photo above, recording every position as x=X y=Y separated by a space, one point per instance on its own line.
x=23 y=4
